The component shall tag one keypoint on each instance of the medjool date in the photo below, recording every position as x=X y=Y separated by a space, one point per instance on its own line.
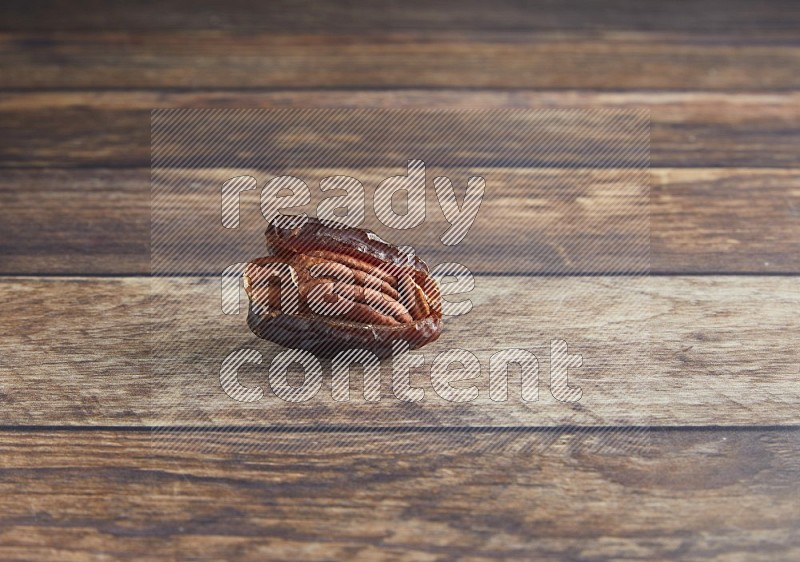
x=328 y=288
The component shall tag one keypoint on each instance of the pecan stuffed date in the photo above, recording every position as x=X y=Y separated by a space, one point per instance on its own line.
x=328 y=288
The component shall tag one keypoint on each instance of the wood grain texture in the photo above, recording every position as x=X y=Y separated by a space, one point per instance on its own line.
x=721 y=80
x=112 y=129
x=685 y=495
x=98 y=221
x=404 y=59
x=310 y=15
x=531 y=222
x=721 y=351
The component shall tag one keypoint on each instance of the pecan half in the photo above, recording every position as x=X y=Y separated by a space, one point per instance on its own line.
x=328 y=288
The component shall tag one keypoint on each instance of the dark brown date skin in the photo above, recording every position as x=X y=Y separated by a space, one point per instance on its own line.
x=353 y=290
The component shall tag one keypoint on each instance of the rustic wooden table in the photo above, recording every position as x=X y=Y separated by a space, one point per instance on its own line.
x=719 y=475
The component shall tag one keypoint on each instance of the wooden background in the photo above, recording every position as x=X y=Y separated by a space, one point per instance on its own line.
x=718 y=475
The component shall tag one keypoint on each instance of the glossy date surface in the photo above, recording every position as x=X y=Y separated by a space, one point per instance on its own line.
x=328 y=288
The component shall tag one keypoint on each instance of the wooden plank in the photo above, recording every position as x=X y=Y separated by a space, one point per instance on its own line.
x=687 y=495
x=567 y=221
x=307 y=15
x=61 y=221
x=701 y=221
x=379 y=137
x=112 y=129
x=722 y=351
x=214 y=58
